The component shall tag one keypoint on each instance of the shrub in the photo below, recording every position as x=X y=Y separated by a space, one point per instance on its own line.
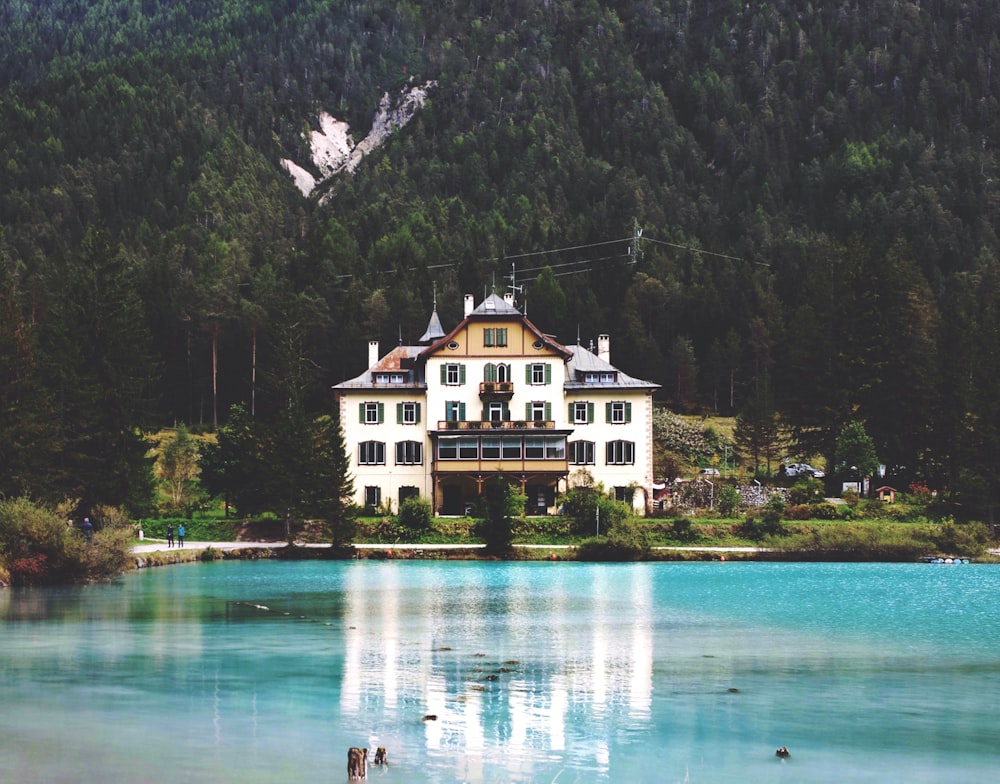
x=806 y=491
x=39 y=547
x=588 y=505
x=415 y=512
x=729 y=501
x=627 y=540
x=799 y=512
x=824 y=510
x=681 y=530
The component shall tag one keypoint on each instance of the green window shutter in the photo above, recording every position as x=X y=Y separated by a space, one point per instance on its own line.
x=418 y=413
x=361 y=413
x=502 y=336
x=491 y=372
x=548 y=412
x=548 y=373
x=381 y=413
x=461 y=411
x=590 y=413
x=527 y=411
x=444 y=374
x=527 y=374
x=399 y=413
x=487 y=336
x=461 y=374
x=607 y=412
x=628 y=411
x=569 y=414
x=506 y=412
x=485 y=415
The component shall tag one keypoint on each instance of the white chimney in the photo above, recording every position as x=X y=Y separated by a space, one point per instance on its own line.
x=604 y=348
x=470 y=304
x=509 y=298
x=372 y=353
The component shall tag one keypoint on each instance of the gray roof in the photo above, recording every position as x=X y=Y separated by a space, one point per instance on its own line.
x=434 y=328
x=585 y=361
x=401 y=358
x=495 y=305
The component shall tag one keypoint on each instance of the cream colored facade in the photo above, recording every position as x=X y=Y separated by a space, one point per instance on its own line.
x=494 y=396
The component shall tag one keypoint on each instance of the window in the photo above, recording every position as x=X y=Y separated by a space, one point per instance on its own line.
x=448 y=448
x=468 y=449
x=620 y=453
x=555 y=448
x=373 y=497
x=619 y=412
x=581 y=413
x=538 y=373
x=409 y=453
x=538 y=411
x=534 y=448
x=496 y=373
x=454 y=411
x=407 y=413
x=511 y=448
x=496 y=411
x=495 y=336
x=453 y=374
x=389 y=378
x=371 y=453
x=599 y=378
x=581 y=452
x=408 y=491
x=372 y=413
x=491 y=449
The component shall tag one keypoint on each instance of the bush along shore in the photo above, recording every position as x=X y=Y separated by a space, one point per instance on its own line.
x=40 y=546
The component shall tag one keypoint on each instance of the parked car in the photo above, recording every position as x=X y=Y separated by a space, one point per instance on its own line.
x=802 y=469
x=710 y=472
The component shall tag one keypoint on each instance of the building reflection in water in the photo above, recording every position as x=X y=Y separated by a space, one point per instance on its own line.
x=508 y=666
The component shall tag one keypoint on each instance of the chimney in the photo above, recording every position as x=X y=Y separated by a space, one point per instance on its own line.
x=470 y=304
x=604 y=348
x=509 y=298
x=372 y=353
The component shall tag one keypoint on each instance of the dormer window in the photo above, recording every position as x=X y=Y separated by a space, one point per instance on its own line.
x=389 y=378
x=494 y=336
x=599 y=378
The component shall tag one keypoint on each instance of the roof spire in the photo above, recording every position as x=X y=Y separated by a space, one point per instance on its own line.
x=434 y=328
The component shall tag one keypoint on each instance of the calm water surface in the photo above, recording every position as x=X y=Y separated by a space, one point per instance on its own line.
x=537 y=672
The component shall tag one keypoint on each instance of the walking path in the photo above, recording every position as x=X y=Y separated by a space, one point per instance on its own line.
x=160 y=545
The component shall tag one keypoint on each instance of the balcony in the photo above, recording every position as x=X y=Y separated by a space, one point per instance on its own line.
x=486 y=424
x=496 y=390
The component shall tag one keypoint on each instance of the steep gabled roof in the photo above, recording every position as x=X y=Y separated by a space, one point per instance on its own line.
x=494 y=307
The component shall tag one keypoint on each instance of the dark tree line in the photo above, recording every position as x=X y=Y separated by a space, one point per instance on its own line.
x=816 y=186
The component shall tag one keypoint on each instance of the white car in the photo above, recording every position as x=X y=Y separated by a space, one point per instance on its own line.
x=710 y=472
x=803 y=469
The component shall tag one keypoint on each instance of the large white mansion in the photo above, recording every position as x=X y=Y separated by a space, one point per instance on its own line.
x=494 y=396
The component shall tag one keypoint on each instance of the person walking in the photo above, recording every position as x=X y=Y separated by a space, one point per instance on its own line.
x=180 y=535
x=170 y=534
x=88 y=530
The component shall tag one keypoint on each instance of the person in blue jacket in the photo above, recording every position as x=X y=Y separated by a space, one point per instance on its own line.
x=180 y=535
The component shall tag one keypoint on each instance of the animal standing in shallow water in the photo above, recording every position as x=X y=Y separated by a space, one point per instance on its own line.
x=357 y=763
x=783 y=752
x=380 y=756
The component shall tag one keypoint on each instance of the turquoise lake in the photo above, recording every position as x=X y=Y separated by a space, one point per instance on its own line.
x=268 y=671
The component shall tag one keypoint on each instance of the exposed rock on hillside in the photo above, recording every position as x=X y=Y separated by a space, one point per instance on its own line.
x=332 y=148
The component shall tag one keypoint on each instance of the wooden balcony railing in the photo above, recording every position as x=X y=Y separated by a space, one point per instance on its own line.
x=497 y=389
x=481 y=424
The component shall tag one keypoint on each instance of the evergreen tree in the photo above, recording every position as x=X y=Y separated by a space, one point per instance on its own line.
x=95 y=359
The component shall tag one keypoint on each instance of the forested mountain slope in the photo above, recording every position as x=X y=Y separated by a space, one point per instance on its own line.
x=816 y=185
